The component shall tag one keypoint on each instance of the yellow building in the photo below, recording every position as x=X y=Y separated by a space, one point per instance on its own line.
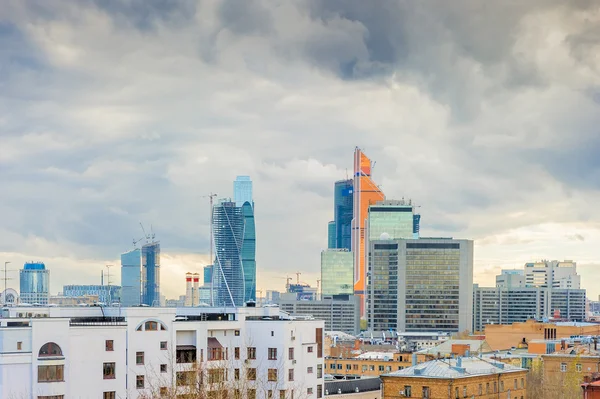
x=468 y=377
x=567 y=368
x=371 y=364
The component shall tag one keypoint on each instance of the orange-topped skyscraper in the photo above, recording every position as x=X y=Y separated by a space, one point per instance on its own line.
x=366 y=193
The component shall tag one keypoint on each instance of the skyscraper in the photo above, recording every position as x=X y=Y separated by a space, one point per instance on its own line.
x=337 y=272
x=365 y=193
x=331 y=235
x=249 y=252
x=34 y=281
x=151 y=274
x=131 y=278
x=228 y=285
x=242 y=190
x=394 y=218
x=208 y=274
x=343 y=213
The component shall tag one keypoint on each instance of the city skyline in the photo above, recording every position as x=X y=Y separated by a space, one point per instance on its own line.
x=498 y=146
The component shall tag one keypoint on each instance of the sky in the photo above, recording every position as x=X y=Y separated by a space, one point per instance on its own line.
x=116 y=112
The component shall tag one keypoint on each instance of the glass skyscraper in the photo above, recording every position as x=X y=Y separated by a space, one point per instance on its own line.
x=249 y=252
x=131 y=278
x=208 y=274
x=228 y=283
x=151 y=274
x=342 y=202
x=242 y=190
x=34 y=281
x=394 y=218
x=337 y=272
x=331 y=235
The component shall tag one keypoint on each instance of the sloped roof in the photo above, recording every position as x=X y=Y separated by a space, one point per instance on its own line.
x=449 y=369
x=445 y=348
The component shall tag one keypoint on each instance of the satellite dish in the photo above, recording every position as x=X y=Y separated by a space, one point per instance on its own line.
x=384 y=236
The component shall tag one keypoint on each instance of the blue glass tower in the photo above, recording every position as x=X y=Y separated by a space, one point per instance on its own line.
x=208 y=274
x=242 y=190
x=151 y=274
x=131 y=278
x=343 y=203
x=228 y=284
x=34 y=281
x=242 y=195
x=331 y=235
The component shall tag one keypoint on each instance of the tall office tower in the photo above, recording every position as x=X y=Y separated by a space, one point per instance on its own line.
x=242 y=190
x=416 y=225
x=391 y=217
x=151 y=274
x=337 y=272
x=331 y=235
x=514 y=278
x=228 y=285
x=365 y=193
x=421 y=285
x=552 y=274
x=343 y=213
x=208 y=274
x=131 y=278
x=34 y=280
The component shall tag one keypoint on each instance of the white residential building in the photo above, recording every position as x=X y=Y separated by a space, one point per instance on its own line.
x=110 y=352
x=552 y=274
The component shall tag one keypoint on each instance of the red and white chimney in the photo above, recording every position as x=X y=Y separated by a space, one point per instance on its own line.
x=196 y=295
x=188 y=289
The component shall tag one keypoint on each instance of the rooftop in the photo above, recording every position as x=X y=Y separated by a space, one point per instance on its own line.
x=445 y=348
x=455 y=368
x=34 y=266
x=351 y=386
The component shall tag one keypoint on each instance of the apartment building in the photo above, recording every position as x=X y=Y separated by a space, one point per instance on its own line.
x=98 y=352
x=339 y=312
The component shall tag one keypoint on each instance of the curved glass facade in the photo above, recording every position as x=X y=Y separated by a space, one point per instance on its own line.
x=151 y=274
x=131 y=278
x=342 y=198
x=249 y=252
x=34 y=281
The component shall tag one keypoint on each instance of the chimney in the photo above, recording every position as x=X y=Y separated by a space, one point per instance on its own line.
x=459 y=362
x=196 y=293
x=414 y=359
x=188 y=289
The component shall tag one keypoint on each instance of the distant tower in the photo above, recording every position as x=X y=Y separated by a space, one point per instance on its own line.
x=188 y=289
x=131 y=278
x=35 y=283
x=195 y=290
x=151 y=274
x=242 y=195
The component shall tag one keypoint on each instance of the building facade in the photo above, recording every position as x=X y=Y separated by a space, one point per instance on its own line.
x=339 y=312
x=394 y=218
x=552 y=274
x=34 y=281
x=131 y=278
x=151 y=274
x=365 y=193
x=511 y=279
x=421 y=285
x=331 y=241
x=337 y=272
x=242 y=190
x=249 y=252
x=107 y=294
x=138 y=352
x=343 y=213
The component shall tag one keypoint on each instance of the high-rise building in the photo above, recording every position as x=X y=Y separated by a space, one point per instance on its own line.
x=242 y=190
x=107 y=294
x=331 y=235
x=151 y=274
x=343 y=214
x=228 y=284
x=393 y=218
x=249 y=252
x=552 y=274
x=34 y=281
x=365 y=193
x=421 y=285
x=131 y=278
x=337 y=272
x=511 y=279
x=208 y=274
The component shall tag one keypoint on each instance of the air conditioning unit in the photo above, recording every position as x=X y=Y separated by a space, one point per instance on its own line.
x=294 y=361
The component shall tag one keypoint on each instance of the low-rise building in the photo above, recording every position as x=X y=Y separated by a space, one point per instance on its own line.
x=566 y=369
x=106 y=293
x=463 y=377
x=364 y=388
x=61 y=300
x=371 y=364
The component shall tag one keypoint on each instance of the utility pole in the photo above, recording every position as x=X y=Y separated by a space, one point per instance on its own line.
x=109 y=296
x=5 y=280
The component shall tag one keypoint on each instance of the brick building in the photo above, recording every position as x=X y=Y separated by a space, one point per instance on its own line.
x=464 y=377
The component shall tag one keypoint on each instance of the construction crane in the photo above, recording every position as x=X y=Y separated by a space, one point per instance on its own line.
x=211 y=197
x=298 y=278
x=148 y=237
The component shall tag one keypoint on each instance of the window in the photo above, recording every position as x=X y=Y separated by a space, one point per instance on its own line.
x=320 y=370
x=109 y=371
x=339 y=366
x=348 y=367
x=407 y=391
x=522 y=382
x=272 y=333
x=319 y=339
x=578 y=367
x=151 y=326
x=309 y=370
x=272 y=353
x=236 y=374
x=501 y=386
x=51 y=373
x=216 y=375
x=480 y=390
x=282 y=394
x=139 y=381
x=372 y=367
x=309 y=391
x=251 y=374
x=49 y=350
x=272 y=374
x=270 y=394
x=163 y=368
x=388 y=368
x=364 y=368
x=456 y=395
x=487 y=388
x=319 y=391
x=19 y=345
x=186 y=354
x=236 y=353
x=251 y=353
x=380 y=368
x=251 y=393
x=426 y=393
x=495 y=387
x=563 y=367
x=464 y=392
x=109 y=395
x=355 y=367
x=164 y=391
x=309 y=349
x=163 y=345
x=109 y=345
x=291 y=375
x=291 y=353
x=184 y=378
x=516 y=385
x=236 y=333
x=139 y=358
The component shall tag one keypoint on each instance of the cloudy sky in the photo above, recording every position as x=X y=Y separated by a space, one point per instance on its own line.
x=115 y=112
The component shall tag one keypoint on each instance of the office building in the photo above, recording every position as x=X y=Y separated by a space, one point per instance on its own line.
x=242 y=190
x=151 y=274
x=514 y=278
x=34 y=281
x=141 y=352
x=337 y=272
x=343 y=214
x=228 y=285
x=339 y=312
x=394 y=218
x=552 y=274
x=249 y=252
x=331 y=235
x=420 y=285
x=365 y=193
x=107 y=294
x=131 y=278
x=207 y=274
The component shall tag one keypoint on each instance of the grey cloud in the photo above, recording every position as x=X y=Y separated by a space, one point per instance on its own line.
x=145 y=15
x=246 y=17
